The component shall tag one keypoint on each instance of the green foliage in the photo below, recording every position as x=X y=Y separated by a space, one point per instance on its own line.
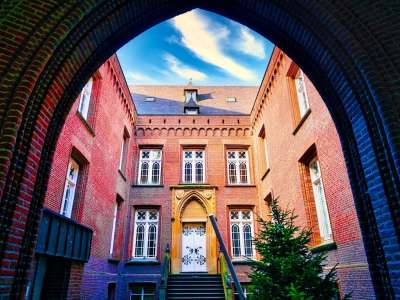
x=287 y=269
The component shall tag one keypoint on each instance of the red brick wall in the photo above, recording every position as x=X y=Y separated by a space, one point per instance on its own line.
x=99 y=145
x=286 y=148
x=75 y=281
x=213 y=133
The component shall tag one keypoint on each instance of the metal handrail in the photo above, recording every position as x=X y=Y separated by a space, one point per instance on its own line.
x=164 y=274
x=227 y=258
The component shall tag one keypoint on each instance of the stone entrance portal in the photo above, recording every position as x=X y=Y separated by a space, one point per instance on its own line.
x=194 y=244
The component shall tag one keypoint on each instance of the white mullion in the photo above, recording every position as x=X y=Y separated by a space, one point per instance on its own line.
x=193 y=162
x=237 y=165
x=150 y=174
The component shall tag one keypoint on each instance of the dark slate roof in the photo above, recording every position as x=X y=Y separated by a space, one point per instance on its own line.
x=169 y=99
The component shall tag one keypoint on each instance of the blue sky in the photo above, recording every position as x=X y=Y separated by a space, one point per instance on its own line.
x=206 y=47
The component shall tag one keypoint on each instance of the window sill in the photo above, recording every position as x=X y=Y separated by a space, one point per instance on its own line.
x=112 y=260
x=302 y=120
x=148 y=185
x=122 y=174
x=243 y=261
x=326 y=246
x=240 y=185
x=265 y=174
x=141 y=261
x=87 y=125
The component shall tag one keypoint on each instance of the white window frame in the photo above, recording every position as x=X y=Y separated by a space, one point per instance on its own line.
x=321 y=207
x=85 y=98
x=237 y=162
x=114 y=223
x=193 y=161
x=241 y=223
x=71 y=180
x=146 y=223
x=123 y=153
x=150 y=161
x=301 y=93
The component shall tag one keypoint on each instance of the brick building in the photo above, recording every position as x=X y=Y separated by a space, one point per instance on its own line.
x=145 y=176
x=88 y=190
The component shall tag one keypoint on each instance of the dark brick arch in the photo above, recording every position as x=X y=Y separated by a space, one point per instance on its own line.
x=349 y=50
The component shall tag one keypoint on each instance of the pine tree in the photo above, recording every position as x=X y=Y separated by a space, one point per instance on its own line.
x=287 y=269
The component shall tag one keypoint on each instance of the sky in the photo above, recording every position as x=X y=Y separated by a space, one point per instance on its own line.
x=199 y=45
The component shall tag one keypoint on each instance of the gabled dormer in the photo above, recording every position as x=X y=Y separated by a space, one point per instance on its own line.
x=191 y=107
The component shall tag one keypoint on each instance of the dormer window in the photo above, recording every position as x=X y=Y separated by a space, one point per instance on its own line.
x=191 y=107
x=231 y=99
x=149 y=99
x=190 y=95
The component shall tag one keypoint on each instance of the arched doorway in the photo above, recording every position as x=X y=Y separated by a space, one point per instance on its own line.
x=194 y=244
x=49 y=51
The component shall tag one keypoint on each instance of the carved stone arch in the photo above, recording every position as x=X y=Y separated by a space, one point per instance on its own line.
x=247 y=132
x=164 y=131
x=148 y=132
x=171 y=131
x=193 y=195
x=232 y=132
x=239 y=132
x=186 y=132
x=178 y=132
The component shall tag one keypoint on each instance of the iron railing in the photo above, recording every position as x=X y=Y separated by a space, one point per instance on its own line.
x=227 y=258
x=63 y=237
x=165 y=273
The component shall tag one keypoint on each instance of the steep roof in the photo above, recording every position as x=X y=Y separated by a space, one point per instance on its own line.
x=169 y=99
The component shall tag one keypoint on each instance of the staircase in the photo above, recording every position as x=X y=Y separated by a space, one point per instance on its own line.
x=191 y=286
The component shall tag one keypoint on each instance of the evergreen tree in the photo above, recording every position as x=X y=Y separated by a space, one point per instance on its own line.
x=287 y=269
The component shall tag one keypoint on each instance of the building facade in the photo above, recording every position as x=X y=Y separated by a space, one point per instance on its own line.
x=89 y=189
x=146 y=175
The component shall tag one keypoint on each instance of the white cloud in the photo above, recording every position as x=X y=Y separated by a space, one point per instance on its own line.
x=249 y=44
x=205 y=40
x=182 y=70
x=135 y=76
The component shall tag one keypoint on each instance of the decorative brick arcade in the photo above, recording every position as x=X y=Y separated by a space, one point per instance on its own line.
x=48 y=51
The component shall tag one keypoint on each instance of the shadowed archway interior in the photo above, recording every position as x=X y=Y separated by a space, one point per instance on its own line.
x=49 y=49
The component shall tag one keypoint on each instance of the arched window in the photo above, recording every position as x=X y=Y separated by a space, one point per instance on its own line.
x=188 y=172
x=232 y=173
x=150 y=166
x=243 y=172
x=84 y=102
x=248 y=245
x=199 y=172
x=146 y=231
x=139 y=243
x=242 y=232
x=193 y=166
x=155 y=174
x=235 y=241
x=144 y=173
x=151 y=241
x=238 y=167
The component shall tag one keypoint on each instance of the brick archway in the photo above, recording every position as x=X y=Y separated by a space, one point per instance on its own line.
x=48 y=50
